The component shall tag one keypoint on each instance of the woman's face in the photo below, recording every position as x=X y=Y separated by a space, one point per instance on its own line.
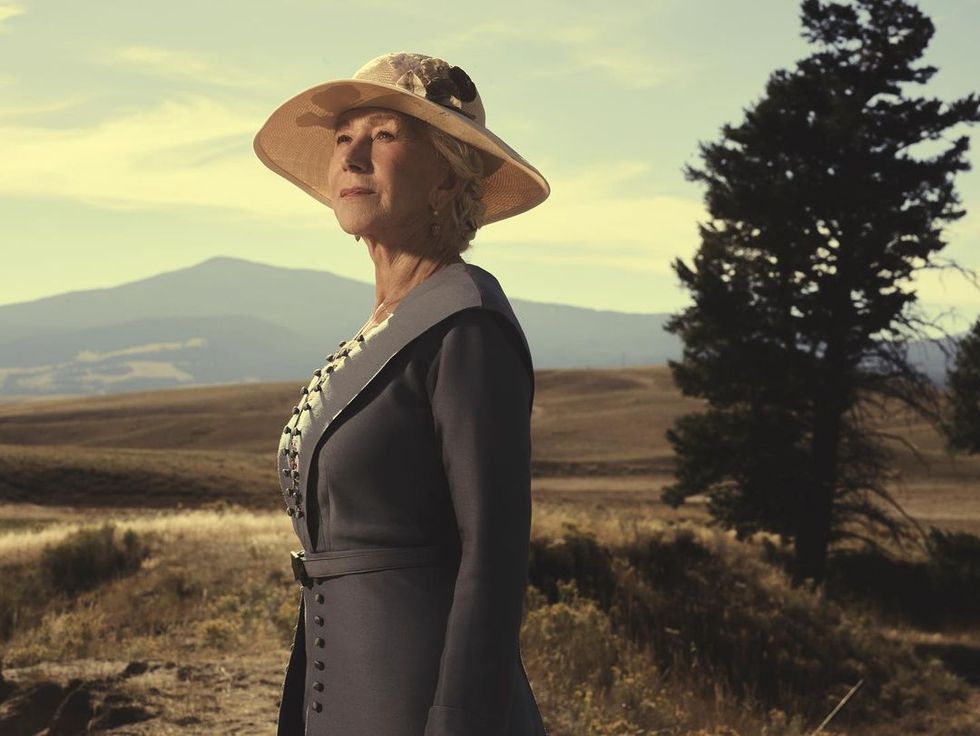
x=383 y=174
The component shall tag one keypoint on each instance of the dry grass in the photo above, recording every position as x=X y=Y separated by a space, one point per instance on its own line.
x=598 y=444
x=192 y=473
x=212 y=578
x=186 y=527
x=218 y=581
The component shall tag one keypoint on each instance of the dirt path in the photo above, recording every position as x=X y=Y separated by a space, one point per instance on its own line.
x=234 y=697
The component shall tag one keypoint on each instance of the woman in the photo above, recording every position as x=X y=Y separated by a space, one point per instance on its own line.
x=405 y=466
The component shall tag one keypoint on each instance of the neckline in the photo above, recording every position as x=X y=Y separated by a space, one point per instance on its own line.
x=415 y=292
x=365 y=331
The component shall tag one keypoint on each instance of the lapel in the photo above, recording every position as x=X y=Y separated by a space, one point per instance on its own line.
x=451 y=289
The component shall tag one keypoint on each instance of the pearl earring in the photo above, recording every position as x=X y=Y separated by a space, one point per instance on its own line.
x=435 y=227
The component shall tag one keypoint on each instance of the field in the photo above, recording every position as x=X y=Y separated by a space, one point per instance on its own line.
x=622 y=586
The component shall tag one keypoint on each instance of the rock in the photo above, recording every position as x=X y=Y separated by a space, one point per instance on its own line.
x=119 y=715
x=74 y=713
x=30 y=709
x=135 y=668
x=6 y=688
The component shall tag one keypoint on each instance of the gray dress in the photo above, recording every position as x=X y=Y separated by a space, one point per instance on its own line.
x=406 y=472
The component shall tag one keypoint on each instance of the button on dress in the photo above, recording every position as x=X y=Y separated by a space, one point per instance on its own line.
x=415 y=434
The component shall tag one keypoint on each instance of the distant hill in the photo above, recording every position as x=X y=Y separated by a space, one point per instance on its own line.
x=196 y=445
x=228 y=320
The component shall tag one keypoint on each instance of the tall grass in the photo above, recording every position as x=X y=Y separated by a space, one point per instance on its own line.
x=90 y=557
x=710 y=609
x=82 y=560
x=201 y=578
x=631 y=626
x=939 y=591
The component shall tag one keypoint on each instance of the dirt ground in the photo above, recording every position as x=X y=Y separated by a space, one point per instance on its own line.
x=160 y=698
x=237 y=696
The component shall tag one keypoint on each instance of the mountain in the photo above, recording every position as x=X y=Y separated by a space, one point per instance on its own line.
x=228 y=320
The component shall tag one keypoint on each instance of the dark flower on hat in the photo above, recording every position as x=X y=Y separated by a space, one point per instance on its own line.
x=445 y=85
x=467 y=90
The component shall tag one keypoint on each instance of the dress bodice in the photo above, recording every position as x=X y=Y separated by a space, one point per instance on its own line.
x=307 y=466
x=291 y=443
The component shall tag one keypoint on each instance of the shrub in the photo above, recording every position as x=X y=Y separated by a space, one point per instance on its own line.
x=218 y=633
x=90 y=557
x=18 y=589
x=939 y=591
x=589 y=679
x=958 y=552
x=700 y=602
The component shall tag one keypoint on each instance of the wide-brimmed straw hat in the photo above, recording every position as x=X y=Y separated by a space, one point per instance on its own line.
x=297 y=140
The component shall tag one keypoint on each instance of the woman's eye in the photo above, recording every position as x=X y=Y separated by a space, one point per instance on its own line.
x=343 y=138
x=384 y=132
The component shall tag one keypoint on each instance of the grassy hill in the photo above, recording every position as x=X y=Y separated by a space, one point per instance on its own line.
x=598 y=441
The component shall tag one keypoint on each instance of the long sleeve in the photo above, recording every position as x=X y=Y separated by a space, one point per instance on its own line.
x=480 y=392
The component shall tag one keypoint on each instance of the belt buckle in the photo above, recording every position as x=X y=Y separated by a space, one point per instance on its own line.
x=299 y=569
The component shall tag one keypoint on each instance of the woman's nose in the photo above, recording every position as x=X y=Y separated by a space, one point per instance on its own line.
x=357 y=157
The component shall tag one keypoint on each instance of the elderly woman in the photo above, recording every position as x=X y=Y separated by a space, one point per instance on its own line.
x=405 y=466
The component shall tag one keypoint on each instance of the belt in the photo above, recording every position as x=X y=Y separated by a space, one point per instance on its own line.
x=307 y=566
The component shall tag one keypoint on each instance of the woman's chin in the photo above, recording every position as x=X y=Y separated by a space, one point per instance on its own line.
x=353 y=226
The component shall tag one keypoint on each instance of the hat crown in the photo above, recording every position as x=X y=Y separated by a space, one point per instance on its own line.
x=430 y=78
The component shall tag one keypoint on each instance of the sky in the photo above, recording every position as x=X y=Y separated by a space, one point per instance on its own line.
x=126 y=134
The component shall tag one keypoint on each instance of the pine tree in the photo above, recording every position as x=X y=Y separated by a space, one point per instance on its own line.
x=802 y=311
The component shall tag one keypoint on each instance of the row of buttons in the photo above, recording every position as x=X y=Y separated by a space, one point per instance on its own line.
x=295 y=509
x=318 y=663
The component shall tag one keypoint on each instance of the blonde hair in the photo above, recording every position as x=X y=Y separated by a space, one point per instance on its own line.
x=467 y=208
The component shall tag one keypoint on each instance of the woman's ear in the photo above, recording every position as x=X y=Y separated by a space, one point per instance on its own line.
x=446 y=191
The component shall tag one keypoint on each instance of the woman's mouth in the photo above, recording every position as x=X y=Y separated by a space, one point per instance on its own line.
x=354 y=192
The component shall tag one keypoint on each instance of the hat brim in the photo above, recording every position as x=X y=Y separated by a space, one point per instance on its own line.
x=297 y=142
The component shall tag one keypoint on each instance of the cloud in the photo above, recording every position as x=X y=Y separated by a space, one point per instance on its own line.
x=579 y=46
x=188 y=151
x=197 y=152
x=601 y=215
x=490 y=32
x=8 y=11
x=630 y=69
x=169 y=63
x=12 y=111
